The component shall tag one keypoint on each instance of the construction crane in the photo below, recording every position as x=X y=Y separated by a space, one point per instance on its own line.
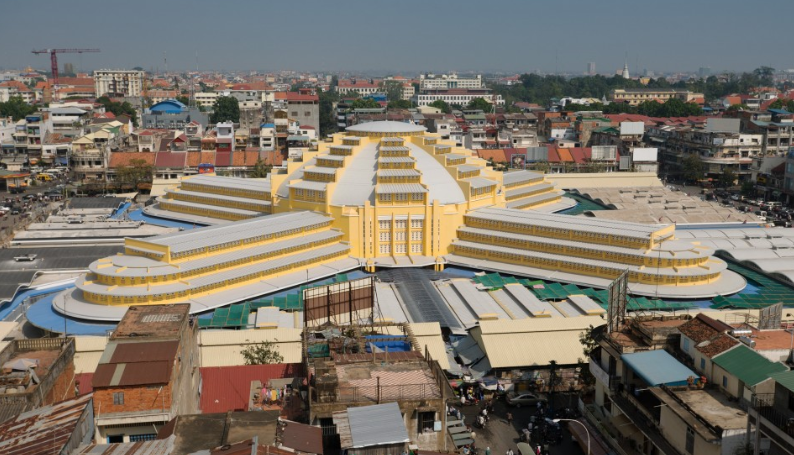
x=54 y=58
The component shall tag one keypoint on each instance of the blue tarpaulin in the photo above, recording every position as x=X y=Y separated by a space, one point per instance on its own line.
x=658 y=367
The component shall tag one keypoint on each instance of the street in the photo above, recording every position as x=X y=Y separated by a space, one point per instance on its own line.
x=501 y=436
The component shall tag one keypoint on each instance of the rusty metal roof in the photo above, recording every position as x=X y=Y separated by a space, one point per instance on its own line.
x=153 y=351
x=43 y=431
x=227 y=388
x=156 y=447
x=131 y=374
x=301 y=437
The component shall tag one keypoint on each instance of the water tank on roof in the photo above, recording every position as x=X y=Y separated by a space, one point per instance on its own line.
x=741 y=332
x=749 y=342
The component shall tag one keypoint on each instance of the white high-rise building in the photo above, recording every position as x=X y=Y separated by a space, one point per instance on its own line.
x=121 y=82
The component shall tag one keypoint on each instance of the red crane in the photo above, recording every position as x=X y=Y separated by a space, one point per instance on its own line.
x=54 y=58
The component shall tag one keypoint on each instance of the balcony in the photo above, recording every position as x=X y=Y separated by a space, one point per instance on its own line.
x=774 y=423
x=641 y=419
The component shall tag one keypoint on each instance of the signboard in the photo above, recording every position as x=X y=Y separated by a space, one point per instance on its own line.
x=645 y=154
x=625 y=163
x=604 y=152
x=617 y=300
x=632 y=128
x=518 y=161
x=336 y=303
x=770 y=317
x=722 y=125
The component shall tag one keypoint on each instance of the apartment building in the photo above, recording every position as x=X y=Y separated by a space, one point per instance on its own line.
x=361 y=87
x=636 y=96
x=456 y=96
x=146 y=375
x=449 y=81
x=128 y=83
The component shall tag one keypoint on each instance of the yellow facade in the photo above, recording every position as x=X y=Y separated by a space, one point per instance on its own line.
x=415 y=204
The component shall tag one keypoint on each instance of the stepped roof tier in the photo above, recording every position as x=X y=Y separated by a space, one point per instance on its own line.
x=384 y=194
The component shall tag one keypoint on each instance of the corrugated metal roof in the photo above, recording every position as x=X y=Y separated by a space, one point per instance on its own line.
x=533 y=349
x=480 y=182
x=401 y=188
x=43 y=431
x=396 y=159
x=658 y=367
x=129 y=374
x=309 y=185
x=747 y=365
x=213 y=235
x=637 y=230
x=247 y=184
x=786 y=379
x=376 y=425
x=227 y=388
x=144 y=352
x=301 y=437
x=154 y=447
x=398 y=173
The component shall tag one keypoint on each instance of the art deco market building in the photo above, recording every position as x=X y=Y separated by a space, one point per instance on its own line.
x=384 y=194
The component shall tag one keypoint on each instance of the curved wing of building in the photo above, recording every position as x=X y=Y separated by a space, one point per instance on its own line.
x=385 y=194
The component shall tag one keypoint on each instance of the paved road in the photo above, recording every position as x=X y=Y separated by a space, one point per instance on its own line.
x=500 y=436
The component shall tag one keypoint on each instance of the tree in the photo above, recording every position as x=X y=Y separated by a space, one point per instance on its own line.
x=119 y=108
x=225 y=109
x=261 y=353
x=260 y=169
x=480 y=104
x=16 y=108
x=737 y=107
x=441 y=104
x=692 y=167
x=365 y=103
x=748 y=188
x=400 y=104
x=137 y=172
x=393 y=90
x=327 y=115
x=183 y=99
x=777 y=104
x=727 y=178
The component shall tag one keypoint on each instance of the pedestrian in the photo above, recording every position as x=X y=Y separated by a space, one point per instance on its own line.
x=509 y=452
x=487 y=451
x=509 y=418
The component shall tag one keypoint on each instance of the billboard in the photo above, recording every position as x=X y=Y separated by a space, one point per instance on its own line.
x=518 y=161
x=336 y=303
x=625 y=163
x=535 y=154
x=604 y=152
x=722 y=125
x=632 y=128
x=617 y=300
x=645 y=154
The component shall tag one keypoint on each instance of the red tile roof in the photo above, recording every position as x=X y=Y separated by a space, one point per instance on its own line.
x=294 y=96
x=76 y=81
x=498 y=155
x=226 y=389
x=170 y=159
x=118 y=159
x=223 y=158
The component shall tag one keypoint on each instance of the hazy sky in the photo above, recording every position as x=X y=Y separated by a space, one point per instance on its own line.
x=402 y=35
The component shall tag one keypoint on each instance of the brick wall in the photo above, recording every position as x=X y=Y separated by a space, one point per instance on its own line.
x=63 y=387
x=136 y=399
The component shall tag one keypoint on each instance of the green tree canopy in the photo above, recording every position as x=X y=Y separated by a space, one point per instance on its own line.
x=400 y=104
x=261 y=353
x=727 y=178
x=441 y=104
x=365 y=103
x=481 y=104
x=118 y=108
x=260 y=170
x=138 y=171
x=16 y=108
x=328 y=101
x=737 y=107
x=692 y=167
x=393 y=90
x=225 y=109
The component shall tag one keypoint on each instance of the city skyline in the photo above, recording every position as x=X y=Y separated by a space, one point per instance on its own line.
x=407 y=37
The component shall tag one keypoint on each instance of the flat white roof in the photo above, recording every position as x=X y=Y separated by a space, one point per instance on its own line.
x=385 y=127
x=384 y=188
x=214 y=235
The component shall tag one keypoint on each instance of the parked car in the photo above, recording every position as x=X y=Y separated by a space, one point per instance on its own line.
x=525 y=399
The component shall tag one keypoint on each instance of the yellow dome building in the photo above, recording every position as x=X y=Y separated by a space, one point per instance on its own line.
x=384 y=194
